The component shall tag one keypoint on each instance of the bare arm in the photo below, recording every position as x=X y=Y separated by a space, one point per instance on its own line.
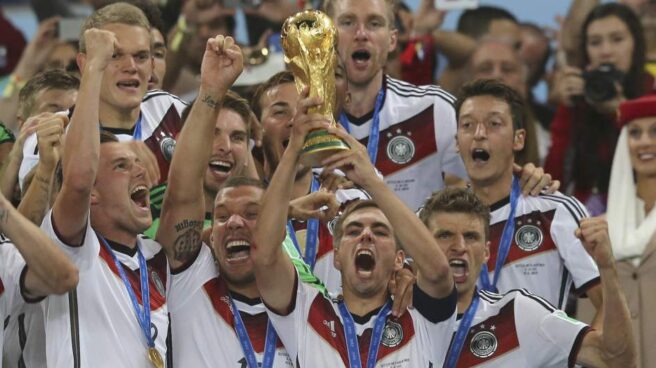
x=596 y=296
x=613 y=346
x=274 y=271
x=11 y=165
x=570 y=37
x=36 y=201
x=456 y=46
x=184 y=206
x=49 y=271
x=9 y=170
x=82 y=147
x=434 y=274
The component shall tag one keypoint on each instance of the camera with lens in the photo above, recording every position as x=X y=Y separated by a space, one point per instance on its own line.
x=600 y=83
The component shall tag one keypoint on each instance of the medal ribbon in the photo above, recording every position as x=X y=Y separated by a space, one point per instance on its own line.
x=245 y=342
x=352 y=338
x=143 y=316
x=504 y=244
x=311 y=235
x=374 y=132
x=461 y=335
x=136 y=135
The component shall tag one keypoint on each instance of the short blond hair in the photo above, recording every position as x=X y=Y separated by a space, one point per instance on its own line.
x=328 y=7
x=121 y=13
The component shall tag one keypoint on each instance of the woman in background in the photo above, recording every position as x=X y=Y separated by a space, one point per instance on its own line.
x=632 y=219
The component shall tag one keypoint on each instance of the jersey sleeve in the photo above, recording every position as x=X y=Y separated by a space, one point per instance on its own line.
x=434 y=321
x=552 y=337
x=186 y=281
x=578 y=262
x=82 y=256
x=292 y=327
x=446 y=126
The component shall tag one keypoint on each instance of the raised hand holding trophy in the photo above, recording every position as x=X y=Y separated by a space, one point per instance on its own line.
x=309 y=39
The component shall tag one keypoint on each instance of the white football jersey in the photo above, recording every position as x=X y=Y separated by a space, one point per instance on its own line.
x=12 y=267
x=25 y=337
x=545 y=255
x=314 y=336
x=95 y=325
x=519 y=329
x=202 y=323
x=417 y=139
x=160 y=125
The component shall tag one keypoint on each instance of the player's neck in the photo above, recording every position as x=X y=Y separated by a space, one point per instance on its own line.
x=362 y=306
x=120 y=237
x=248 y=290
x=208 y=197
x=111 y=117
x=492 y=191
x=363 y=97
x=646 y=189
x=464 y=300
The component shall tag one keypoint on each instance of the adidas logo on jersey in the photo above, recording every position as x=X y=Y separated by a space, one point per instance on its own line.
x=331 y=327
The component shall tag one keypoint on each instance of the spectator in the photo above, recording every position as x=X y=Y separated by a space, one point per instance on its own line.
x=632 y=218
x=200 y=19
x=583 y=132
x=489 y=21
x=535 y=51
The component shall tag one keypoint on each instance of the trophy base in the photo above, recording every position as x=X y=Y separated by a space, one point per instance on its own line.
x=319 y=145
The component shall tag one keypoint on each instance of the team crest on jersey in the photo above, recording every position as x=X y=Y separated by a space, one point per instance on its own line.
x=483 y=344
x=529 y=238
x=400 y=149
x=392 y=334
x=159 y=285
x=167 y=145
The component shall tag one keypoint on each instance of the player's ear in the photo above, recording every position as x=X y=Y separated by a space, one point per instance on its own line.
x=336 y=261
x=519 y=139
x=94 y=196
x=486 y=251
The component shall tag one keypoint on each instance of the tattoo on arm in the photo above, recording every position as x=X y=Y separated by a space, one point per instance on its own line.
x=211 y=102
x=188 y=242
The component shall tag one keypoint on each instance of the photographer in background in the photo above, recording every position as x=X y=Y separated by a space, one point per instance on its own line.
x=583 y=132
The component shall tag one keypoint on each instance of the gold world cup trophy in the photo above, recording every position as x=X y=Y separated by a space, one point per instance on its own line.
x=309 y=39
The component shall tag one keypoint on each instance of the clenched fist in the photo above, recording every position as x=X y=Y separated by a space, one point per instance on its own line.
x=101 y=46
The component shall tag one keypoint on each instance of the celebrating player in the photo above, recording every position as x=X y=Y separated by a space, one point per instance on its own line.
x=532 y=237
x=321 y=332
x=517 y=328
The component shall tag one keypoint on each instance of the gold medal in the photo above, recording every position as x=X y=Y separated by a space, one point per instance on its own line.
x=155 y=358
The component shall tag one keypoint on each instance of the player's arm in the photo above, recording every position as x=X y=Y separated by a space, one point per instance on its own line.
x=613 y=346
x=434 y=274
x=274 y=271
x=82 y=146
x=596 y=295
x=36 y=201
x=183 y=211
x=49 y=270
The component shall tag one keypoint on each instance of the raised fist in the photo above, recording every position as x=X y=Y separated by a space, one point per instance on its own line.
x=222 y=64
x=100 y=46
